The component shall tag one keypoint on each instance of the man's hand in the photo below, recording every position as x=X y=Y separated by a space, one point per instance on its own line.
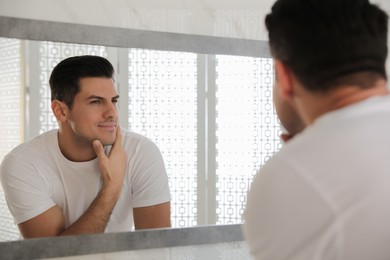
x=286 y=137
x=112 y=167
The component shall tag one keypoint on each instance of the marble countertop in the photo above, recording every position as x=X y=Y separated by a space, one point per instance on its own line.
x=198 y=240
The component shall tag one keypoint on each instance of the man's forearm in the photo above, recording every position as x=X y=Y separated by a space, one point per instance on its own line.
x=95 y=219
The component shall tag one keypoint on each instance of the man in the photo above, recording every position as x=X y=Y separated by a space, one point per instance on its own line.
x=326 y=193
x=89 y=176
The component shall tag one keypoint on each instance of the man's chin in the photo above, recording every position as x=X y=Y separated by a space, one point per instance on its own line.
x=106 y=141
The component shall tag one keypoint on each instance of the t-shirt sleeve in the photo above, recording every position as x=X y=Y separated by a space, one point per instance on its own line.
x=149 y=179
x=26 y=191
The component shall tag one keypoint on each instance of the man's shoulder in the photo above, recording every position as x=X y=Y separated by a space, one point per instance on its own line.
x=28 y=156
x=133 y=137
x=133 y=142
x=33 y=146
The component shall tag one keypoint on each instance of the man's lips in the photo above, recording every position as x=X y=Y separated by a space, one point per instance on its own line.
x=109 y=126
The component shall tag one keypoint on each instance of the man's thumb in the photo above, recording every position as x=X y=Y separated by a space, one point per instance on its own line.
x=98 y=147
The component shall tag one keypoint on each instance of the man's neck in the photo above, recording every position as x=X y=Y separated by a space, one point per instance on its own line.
x=74 y=150
x=314 y=105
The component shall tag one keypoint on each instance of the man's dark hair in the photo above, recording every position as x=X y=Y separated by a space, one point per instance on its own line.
x=65 y=78
x=328 y=43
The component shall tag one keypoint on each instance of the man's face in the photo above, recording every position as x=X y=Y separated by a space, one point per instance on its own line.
x=288 y=116
x=94 y=114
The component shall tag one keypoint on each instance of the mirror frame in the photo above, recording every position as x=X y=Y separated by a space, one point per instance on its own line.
x=38 y=30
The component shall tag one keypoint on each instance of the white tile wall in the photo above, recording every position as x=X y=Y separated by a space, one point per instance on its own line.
x=243 y=19
x=191 y=16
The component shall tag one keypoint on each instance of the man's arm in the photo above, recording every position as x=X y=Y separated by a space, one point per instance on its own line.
x=52 y=223
x=49 y=223
x=156 y=216
x=95 y=219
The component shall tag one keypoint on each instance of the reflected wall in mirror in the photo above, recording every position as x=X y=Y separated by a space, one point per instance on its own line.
x=211 y=116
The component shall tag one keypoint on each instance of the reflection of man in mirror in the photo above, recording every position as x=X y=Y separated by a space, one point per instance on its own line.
x=326 y=193
x=88 y=176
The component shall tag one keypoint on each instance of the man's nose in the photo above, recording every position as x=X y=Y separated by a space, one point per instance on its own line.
x=111 y=110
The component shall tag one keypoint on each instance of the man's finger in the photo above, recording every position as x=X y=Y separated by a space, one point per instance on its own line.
x=118 y=139
x=98 y=147
x=286 y=137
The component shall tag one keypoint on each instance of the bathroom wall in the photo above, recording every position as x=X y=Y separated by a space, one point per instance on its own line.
x=230 y=18
x=227 y=18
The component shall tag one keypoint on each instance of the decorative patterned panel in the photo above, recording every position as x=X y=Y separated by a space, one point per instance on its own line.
x=247 y=129
x=10 y=120
x=163 y=107
x=10 y=99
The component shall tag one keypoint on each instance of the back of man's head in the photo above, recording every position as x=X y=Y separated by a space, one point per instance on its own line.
x=326 y=42
x=65 y=78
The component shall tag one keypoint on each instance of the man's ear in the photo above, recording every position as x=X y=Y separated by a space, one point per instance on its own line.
x=59 y=110
x=284 y=78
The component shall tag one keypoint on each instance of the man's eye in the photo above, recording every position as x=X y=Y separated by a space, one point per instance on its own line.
x=96 y=101
x=115 y=101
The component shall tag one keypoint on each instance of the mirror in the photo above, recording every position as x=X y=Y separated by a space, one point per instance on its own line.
x=205 y=101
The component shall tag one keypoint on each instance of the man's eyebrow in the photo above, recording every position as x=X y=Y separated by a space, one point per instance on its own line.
x=94 y=97
x=99 y=97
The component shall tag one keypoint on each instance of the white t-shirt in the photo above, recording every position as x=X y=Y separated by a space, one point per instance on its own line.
x=326 y=194
x=36 y=176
